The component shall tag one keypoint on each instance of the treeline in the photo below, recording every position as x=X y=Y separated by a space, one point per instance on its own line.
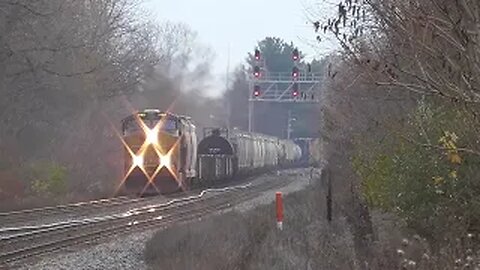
x=69 y=71
x=401 y=115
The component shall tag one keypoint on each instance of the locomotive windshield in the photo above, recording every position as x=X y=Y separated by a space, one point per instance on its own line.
x=168 y=123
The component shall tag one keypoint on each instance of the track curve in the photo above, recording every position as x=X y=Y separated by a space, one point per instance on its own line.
x=18 y=243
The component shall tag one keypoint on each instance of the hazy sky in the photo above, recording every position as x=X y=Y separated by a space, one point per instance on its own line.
x=233 y=27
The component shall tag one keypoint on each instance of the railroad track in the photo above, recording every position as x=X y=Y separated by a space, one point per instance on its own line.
x=102 y=206
x=30 y=215
x=20 y=243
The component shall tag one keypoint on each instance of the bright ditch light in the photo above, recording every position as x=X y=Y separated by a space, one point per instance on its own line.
x=138 y=161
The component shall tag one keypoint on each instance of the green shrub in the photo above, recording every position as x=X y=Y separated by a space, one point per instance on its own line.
x=48 y=178
x=424 y=173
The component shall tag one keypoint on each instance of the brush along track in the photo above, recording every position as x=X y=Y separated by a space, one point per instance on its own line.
x=56 y=238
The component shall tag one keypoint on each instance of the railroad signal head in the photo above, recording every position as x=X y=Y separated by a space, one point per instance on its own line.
x=295 y=72
x=257 y=54
x=256 y=90
x=256 y=71
x=295 y=89
x=295 y=55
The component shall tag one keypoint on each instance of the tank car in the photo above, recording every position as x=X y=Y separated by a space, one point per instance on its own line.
x=217 y=159
x=160 y=152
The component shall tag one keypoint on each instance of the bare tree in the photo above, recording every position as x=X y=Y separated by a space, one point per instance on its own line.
x=61 y=62
x=394 y=54
x=429 y=48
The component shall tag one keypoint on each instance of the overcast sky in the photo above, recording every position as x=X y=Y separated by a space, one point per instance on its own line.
x=233 y=27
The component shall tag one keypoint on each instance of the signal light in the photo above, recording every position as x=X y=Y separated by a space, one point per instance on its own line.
x=295 y=89
x=256 y=90
x=295 y=55
x=256 y=71
x=257 y=54
x=295 y=72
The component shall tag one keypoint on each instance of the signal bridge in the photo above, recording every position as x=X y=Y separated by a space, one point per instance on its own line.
x=282 y=87
x=298 y=86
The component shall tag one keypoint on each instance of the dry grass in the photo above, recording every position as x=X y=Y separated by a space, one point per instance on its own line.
x=251 y=241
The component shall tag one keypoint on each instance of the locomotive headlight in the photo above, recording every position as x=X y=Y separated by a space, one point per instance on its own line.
x=138 y=161
x=151 y=136
x=165 y=161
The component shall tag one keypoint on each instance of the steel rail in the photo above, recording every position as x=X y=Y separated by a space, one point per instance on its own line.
x=192 y=208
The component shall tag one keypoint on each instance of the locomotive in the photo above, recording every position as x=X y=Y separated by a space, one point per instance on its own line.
x=160 y=152
x=162 y=155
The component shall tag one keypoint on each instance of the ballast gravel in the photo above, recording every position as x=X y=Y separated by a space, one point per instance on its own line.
x=126 y=252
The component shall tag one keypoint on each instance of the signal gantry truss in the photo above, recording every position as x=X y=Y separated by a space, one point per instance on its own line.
x=281 y=87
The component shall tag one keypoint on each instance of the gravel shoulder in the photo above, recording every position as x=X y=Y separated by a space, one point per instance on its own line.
x=126 y=252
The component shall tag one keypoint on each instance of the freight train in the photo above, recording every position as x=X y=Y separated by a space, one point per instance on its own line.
x=162 y=154
x=223 y=155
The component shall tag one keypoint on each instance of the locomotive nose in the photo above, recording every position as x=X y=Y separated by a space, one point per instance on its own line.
x=163 y=182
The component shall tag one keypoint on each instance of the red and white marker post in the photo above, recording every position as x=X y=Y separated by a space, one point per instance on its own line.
x=279 y=203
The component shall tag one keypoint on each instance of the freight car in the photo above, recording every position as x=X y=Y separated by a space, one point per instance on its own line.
x=311 y=151
x=160 y=152
x=223 y=153
x=315 y=152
